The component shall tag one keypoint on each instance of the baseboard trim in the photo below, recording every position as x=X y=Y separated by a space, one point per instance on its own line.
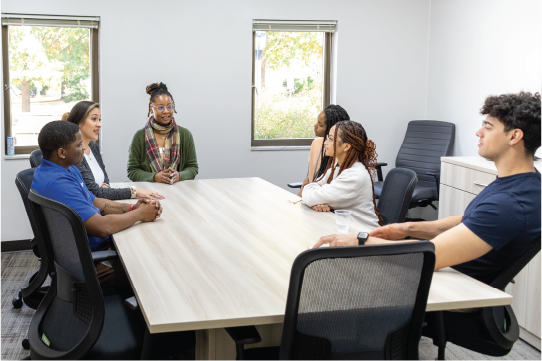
x=530 y=338
x=15 y=246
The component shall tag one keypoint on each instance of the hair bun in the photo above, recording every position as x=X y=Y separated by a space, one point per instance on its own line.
x=65 y=116
x=155 y=86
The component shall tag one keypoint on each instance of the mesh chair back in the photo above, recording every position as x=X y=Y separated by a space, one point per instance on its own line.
x=35 y=158
x=504 y=278
x=23 y=181
x=358 y=302
x=425 y=142
x=72 y=313
x=396 y=195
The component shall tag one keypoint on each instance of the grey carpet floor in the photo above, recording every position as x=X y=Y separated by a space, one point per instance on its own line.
x=17 y=267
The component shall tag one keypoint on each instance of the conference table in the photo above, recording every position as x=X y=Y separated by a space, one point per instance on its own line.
x=221 y=254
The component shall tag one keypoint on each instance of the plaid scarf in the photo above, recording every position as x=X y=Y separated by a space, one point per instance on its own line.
x=172 y=145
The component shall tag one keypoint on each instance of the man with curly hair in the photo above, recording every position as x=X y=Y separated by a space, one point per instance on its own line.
x=504 y=219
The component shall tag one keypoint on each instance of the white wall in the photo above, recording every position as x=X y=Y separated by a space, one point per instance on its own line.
x=480 y=48
x=381 y=78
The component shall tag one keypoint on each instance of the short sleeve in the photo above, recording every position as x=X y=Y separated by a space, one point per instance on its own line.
x=497 y=220
x=72 y=194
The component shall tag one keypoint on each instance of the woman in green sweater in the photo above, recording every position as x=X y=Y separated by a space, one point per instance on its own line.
x=162 y=151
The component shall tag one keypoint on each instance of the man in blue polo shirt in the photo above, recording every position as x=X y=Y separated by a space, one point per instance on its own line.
x=503 y=221
x=57 y=178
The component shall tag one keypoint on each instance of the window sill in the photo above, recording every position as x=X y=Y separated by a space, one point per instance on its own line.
x=17 y=156
x=280 y=147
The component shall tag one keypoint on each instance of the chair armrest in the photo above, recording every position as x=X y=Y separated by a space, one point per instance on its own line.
x=244 y=335
x=379 y=166
x=100 y=256
x=131 y=303
x=295 y=185
x=437 y=180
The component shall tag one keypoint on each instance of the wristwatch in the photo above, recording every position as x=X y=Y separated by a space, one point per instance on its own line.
x=362 y=237
x=134 y=191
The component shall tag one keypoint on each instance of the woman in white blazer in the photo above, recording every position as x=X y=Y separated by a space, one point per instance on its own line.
x=347 y=182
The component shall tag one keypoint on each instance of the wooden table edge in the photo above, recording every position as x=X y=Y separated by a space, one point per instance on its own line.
x=447 y=306
x=216 y=324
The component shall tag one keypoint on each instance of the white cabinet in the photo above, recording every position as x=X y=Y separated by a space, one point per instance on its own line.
x=461 y=179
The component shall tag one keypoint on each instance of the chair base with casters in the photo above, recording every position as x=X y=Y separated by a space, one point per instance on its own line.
x=471 y=331
x=32 y=292
x=489 y=330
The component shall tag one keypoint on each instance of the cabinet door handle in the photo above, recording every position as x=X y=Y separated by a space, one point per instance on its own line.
x=480 y=184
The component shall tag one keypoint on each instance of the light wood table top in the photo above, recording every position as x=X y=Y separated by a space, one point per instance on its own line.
x=222 y=252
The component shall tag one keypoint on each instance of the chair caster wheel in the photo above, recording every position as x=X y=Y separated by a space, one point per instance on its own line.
x=17 y=302
x=26 y=344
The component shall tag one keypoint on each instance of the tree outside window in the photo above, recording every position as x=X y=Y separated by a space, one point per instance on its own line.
x=288 y=75
x=49 y=71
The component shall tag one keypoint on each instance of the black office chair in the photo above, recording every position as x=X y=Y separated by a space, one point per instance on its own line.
x=396 y=195
x=352 y=303
x=426 y=141
x=75 y=319
x=35 y=158
x=490 y=330
x=32 y=292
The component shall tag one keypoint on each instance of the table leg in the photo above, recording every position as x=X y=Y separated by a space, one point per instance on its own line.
x=216 y=344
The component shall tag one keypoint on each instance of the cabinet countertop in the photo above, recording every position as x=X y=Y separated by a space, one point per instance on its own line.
x=479 y=163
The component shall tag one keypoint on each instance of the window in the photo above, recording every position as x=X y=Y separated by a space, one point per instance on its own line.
x=50 y=63
x=290 y=80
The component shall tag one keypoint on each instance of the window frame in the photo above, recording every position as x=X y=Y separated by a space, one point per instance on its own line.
x=94 y=76
x=326 y=95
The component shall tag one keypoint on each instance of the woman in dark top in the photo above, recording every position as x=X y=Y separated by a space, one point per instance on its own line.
x=87 y=116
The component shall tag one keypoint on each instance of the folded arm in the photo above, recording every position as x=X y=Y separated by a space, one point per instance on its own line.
x=107 y=206
x=454 y=246
x=116 y=216
x=338 y=191
x=104 y=226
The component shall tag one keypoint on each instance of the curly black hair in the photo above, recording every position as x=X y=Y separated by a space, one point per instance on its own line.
x=155 y=90
x=55 y=135
x=517 y=111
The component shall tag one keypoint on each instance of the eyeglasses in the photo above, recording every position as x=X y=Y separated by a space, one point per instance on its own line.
x=161 y=108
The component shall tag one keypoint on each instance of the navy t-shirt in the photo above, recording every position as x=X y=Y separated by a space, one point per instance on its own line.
x=67 y=186
x=506 y=215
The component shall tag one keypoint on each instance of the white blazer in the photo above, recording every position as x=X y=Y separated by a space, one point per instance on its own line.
x=351 y=191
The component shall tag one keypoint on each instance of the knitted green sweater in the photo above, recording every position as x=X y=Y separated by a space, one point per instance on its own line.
x=139 y=165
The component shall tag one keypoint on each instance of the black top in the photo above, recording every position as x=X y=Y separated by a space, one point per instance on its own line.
x=506 y=215
x=88 y=177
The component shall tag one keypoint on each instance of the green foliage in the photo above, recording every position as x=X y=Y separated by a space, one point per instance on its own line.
x=76 y=89
x=278 y=117
x=44 y=89
x=283 y=47
x=69 y=46
x=27 y=58
x=300 y=84
x=39 y=53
